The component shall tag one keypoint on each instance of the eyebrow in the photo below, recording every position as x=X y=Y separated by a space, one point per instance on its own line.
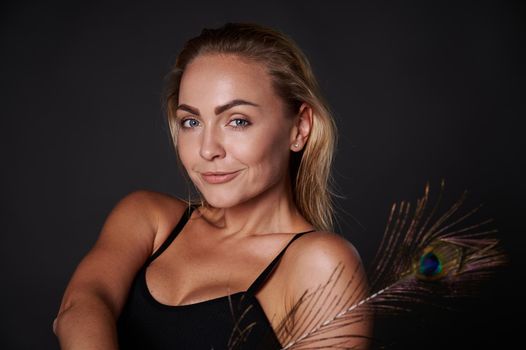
x=219 y=109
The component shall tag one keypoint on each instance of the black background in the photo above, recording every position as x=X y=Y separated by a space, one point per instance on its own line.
x=422 y=91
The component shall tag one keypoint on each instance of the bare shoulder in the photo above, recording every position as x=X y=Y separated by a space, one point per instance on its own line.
x=312 y=259
x=324 y=286
x=323 y=249
x=156 y=202
x=163 y=209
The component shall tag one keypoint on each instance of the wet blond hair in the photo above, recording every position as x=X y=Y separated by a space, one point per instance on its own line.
x=293 y=80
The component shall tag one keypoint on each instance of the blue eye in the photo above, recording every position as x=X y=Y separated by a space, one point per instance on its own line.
x=239 y=123
x=192 y=123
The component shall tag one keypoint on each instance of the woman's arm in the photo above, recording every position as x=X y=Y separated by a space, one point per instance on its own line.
x=98 y=289
x=326 y=279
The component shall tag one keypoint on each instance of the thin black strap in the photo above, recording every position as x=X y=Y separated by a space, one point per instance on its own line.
x=264 y=275
x=184 y=218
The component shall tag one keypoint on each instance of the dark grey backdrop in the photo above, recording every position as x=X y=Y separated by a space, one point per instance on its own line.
x=421 y=92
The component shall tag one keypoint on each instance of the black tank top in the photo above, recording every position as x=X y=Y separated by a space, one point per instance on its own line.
x=236 y=321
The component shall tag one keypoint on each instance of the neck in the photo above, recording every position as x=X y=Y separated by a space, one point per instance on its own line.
x=272 y=211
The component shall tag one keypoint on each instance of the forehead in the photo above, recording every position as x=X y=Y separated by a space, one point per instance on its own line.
x=219 y=78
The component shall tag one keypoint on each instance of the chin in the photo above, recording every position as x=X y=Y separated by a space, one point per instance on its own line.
x=222 y=200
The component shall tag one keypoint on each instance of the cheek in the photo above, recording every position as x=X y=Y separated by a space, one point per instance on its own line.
x=186 y=149
x=266 y=152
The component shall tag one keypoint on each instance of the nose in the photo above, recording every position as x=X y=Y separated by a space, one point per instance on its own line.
x=211 y=144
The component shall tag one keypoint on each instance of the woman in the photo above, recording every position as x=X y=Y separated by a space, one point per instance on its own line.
x=251 y=263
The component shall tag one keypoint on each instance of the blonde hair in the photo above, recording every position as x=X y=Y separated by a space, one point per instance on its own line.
x=294 y=81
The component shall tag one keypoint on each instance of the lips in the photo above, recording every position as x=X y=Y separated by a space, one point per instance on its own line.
x=219 y=177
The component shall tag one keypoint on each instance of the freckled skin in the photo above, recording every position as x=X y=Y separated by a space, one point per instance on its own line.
x=209 y=142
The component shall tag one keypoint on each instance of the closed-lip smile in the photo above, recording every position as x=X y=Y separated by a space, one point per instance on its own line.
x=219 y=177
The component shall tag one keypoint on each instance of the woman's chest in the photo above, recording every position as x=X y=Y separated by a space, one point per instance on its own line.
x=193 y=270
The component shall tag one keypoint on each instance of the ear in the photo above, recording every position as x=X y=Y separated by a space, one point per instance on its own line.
x=302 y=127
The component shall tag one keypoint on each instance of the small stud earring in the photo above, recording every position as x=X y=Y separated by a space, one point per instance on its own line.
x=296 y=145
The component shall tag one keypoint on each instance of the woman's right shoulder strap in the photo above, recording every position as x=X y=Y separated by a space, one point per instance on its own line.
x=182 y=221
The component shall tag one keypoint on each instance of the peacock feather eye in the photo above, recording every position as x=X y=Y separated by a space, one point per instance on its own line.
x=430 y=264
x=437 y=261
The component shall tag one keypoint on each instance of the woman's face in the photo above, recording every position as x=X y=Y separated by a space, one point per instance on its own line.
x=232 y=121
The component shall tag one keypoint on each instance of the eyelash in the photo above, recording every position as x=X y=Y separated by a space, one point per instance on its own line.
x=247 y=123
x=184 y=121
